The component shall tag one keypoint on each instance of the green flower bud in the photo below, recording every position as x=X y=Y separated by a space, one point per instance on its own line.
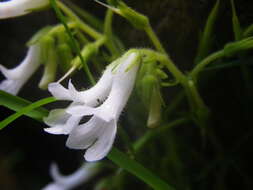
x=138 y=20
x=65 y=56
x=49 y=56
x=155 y=108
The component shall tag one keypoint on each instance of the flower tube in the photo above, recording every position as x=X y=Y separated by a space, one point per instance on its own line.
x=97 y=135
x=82 y=175
x=14 y=8
x=18 y=76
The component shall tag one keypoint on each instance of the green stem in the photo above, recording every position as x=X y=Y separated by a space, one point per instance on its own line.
x=138 y=170
x=199 y=67
x=92 y=20
x=152 y=133
x=86 y=28
x=74 y=43
x=108 y=32
x=153 y=37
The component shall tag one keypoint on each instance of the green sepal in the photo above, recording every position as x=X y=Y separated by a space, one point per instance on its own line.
x=46 y=44
x=138 y=20
x=49 y=54
x=155 y=108
x=65 y=56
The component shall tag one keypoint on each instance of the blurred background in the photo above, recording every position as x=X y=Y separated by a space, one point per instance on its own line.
x=27 y=151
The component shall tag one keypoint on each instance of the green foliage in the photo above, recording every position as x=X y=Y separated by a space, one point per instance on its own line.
x=206 y=40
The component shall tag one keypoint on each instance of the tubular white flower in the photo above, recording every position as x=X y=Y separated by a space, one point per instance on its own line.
x=90 y=97
x=98 y=134
x=82 y=175
x=18 y=76
x=59 y=120
x=14 y=8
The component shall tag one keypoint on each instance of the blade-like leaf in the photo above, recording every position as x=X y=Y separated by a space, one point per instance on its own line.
x=207 y=36
x=236 y=23
x=16 y=103
x=24 y=110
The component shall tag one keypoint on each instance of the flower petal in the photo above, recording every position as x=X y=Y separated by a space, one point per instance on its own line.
x=80 y=110
x=84 y=135
x=66 y=128
x=54 y=186
x=58 y=91
x=11 y=86
x=60 y=122
x=15 y=8
x=104 y=143
x=56 y=117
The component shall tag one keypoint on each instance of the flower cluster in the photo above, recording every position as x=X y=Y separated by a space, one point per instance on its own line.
x=104 y=102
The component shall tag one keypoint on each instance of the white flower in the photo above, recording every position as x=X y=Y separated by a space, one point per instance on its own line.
x=82 y=175
x=97 y=135
x=62 y=122
x=14 y=8
x=18 y=76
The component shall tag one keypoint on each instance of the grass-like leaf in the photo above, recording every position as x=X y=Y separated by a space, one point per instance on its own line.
x=16 y=103
x=25 y=110
x=236 y=23
x=207 y=36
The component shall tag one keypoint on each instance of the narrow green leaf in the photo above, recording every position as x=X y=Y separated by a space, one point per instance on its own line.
x=248 y=31
x=16 y=103
x=138 y=170
x=236 y=23
x=207 y=36
x=24 y=110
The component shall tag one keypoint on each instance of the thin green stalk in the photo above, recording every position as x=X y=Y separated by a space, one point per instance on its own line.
x=92 y=20
x=75 y=45
x=205 y=62
x=152 y=133
x=86 y=28
x=108 y=32
x=138 y=170
x=155 y=40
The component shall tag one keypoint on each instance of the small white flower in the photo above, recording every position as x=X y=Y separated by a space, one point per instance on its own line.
x=62 y=122
x=14 y=8
x=82 y=175
x=97 y=135
x=18 y=76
